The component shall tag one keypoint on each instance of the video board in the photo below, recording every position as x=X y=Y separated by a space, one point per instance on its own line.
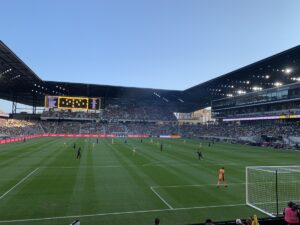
x=72 y=103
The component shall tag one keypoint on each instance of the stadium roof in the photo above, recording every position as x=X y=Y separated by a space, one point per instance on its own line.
x=277 y=70
x=20 y=84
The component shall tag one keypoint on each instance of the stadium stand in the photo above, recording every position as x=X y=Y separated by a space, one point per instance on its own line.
x=267 y=135
x=14 y=128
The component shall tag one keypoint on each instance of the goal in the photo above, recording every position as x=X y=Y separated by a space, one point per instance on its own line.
x=270 y=188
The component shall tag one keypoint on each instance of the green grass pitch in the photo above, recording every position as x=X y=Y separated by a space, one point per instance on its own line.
x=42 y=183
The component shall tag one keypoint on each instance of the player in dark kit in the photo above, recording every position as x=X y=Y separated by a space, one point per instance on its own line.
x=141 y=140
x=74 y=146
x=200 y=156
x=78 y=153
x=161 y=147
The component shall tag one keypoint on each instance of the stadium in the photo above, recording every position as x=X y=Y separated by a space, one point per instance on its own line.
x=103 y=154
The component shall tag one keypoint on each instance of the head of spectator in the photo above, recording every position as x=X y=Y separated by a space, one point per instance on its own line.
x=238 y=221
x=209 y=222
x=290 y=204
x=157 y=221
x=248 y=221
x=254 y=220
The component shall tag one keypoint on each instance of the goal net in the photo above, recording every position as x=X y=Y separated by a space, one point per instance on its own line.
x=270 y=188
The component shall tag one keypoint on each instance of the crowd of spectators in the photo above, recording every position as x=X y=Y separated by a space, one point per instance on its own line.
x=115 y=113
x=12 y=128
x=131 y=112
x=233 y=130
x=66 y=114
x=118 y=128
x=15 y=128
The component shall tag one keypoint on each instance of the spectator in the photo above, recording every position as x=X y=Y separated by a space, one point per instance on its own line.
x=291 y=214
x=209 y=222
x=157 y=221
x=239 y=221
x=248 y=221
x=254 y=220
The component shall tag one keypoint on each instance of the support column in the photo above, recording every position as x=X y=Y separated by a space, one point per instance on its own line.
x=14 y=107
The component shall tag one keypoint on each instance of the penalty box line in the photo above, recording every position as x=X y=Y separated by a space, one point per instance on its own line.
x=17 y=184
x=161 y=198
x=120 y=213
x=180 y=186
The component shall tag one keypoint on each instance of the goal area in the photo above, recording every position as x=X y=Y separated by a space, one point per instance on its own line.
x=270 y=188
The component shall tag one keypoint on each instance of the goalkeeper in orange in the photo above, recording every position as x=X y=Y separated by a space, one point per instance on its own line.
x=221 y=178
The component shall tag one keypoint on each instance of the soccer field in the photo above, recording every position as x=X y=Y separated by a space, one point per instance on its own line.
x=42 y=182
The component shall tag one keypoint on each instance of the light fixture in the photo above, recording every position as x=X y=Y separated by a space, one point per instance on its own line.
x=255 y=88
x=240 y=92
x=288 y=70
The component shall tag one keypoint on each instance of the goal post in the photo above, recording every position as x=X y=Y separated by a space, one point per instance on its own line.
x=270 y=188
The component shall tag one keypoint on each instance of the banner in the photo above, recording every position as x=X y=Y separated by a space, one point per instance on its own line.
x=170 y=136
x=11 y=140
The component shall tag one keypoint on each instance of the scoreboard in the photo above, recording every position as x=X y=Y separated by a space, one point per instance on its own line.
x=72 y=103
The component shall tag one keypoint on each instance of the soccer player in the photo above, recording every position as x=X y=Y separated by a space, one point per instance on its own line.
x=200 y=156
x=161 y=147
x=221 y=178
x=134 y=150
x=74 y=146
x=78 y=153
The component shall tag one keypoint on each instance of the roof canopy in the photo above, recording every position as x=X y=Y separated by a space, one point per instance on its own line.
x=20 y=84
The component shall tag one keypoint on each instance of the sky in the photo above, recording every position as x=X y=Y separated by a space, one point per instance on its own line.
x=167 y=44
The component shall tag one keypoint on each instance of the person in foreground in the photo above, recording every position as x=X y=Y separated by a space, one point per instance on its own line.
x=254 y=220
x=209 y=222
x=291 y=214
x=157 y=221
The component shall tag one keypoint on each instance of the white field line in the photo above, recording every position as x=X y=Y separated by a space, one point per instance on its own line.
x=113 y=166
x=120 y=213
x=194 y=185
x=17 y=184
x=215 y=184
x=161 y=198
x=168 y=162
x=152 y=164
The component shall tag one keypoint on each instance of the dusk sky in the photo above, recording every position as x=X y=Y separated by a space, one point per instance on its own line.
x=168 y=44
